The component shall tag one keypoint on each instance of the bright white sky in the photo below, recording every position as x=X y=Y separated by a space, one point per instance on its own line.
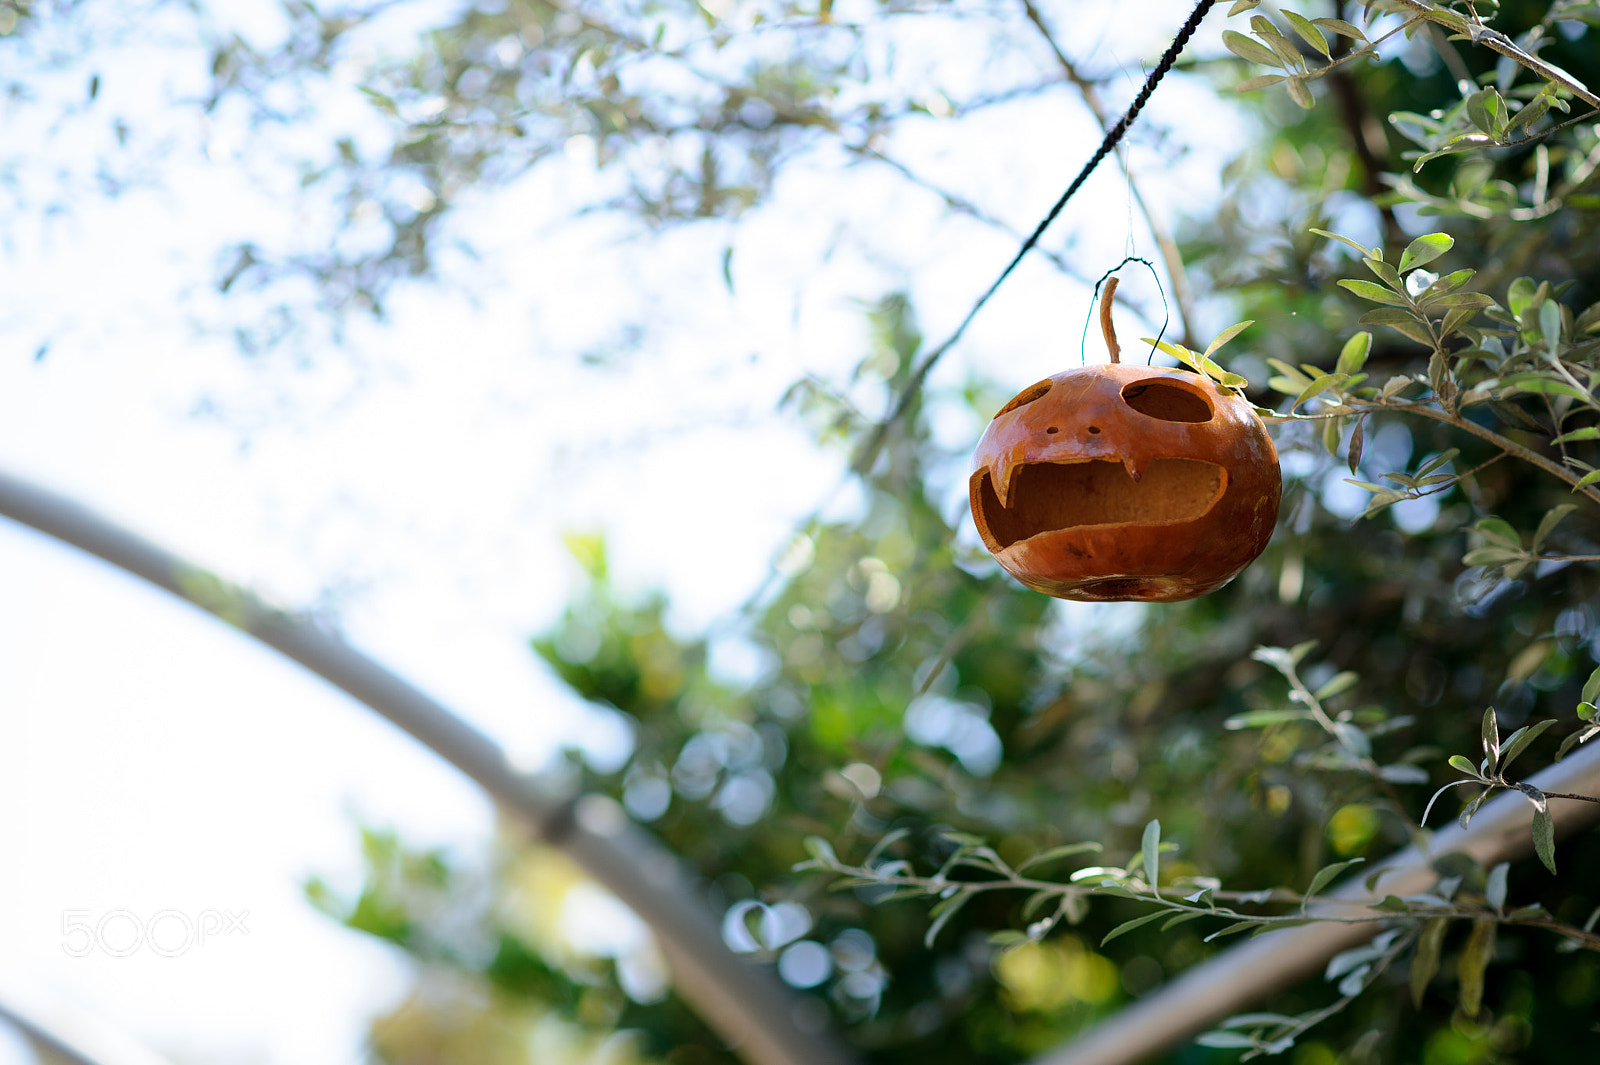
x=152 y=760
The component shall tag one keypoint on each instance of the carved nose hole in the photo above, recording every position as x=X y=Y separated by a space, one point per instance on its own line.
x=1094 y=428
x=1052 y=430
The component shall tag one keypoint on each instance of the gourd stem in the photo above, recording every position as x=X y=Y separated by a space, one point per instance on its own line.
x=1106 y=328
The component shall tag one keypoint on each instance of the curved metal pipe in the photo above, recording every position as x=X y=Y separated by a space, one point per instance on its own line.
x=760 y=1019
x=1233 y=980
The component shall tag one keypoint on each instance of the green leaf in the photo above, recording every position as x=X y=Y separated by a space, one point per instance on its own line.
x=1487 y=110
x=1464 y=764
x=1474 y=960
x=1353 y=355
x=1261 y=81
x=1128 y=926
x=1518 y=741
x=1530 y=113
x=1467 y=301
x=1491 y=737
x=1341 y=682
x=1425 y=963
x=1365 y=253
x=1225 y=1040
x=1299 y=93
x=1227 y=335
x=1375 y=293
x=1548 y=523
x=1262 y=718
x=1550 y=328
x=1581 y=736
x=1182 y=917
x=1150 y=847
x=1591 y=687
x=1544 y=827
x=1269 y=33
x=1425 y=249
x=821 y=851
x=1592 y=477
x=1248 y=49
x=1386 y=273
x=1063 y=851
x=1358 y=441
x=942 y=914
x=1319 y=386
x=1340 y=26
x=1234 y=929
x=1325 y=875
x=1445 y=285
x=1037 y=900
x=1495 y=890
x=1590 y=432
x=1395 y=316
x=1241 y=6
x=1308 y=32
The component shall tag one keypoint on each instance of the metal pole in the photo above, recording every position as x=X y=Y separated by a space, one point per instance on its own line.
x=1232 y=981
x=761 y=1020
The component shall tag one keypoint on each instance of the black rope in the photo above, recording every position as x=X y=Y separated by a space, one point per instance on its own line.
x=869 y=450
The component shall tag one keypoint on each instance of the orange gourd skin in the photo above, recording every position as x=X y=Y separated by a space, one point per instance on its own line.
x=1147 y=528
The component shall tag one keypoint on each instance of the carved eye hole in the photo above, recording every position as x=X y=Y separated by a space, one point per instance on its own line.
x=1166 y=401
x=1023 y=398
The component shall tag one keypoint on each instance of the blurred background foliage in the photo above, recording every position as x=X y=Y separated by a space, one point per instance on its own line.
x=897 y=680
x=893 y=678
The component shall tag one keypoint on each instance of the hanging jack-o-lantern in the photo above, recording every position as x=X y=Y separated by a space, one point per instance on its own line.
x=1115 y=482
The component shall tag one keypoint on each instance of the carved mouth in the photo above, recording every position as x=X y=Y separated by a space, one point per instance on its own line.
x=1054 y=497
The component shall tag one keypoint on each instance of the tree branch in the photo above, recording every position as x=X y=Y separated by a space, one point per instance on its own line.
x=1510 y=447
x=1496 y=41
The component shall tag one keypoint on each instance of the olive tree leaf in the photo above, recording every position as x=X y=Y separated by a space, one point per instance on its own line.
x=1544 y=828
x=1425 y=249
x=1491 y=739
x=1340 y=26
x=1353 y=355
x=1518 y=741
x=1308 y=32
x=1259 y=82
x=1474 y=960
x=1357 y=442
x=1300 y=93
x=1364 y=252
x=1376 y=293
x=1128 y=926
x=1495 y=891
x=1227 y=335
x=1248 y=49
x=1150 y=847
x=1425 y=963
x=942 y=913
x=1063 y=851
x=1325 y=876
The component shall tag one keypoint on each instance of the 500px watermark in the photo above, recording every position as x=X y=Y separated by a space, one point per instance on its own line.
x=169 y=933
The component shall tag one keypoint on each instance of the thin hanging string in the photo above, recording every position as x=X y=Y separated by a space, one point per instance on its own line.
x=1166 y=309
x=868 y=453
